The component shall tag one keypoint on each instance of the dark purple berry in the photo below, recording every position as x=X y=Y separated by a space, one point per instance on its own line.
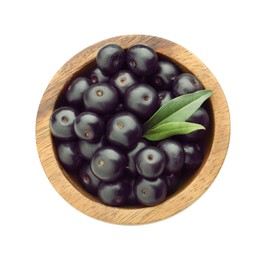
x=150 y=162
x=142 y=100
x=101 y=98
x=87 y=149
x=165 y=96
x=172 y=181
x=96 y=76
x=150 y=192
x=113 y=194
x=89 y=126
x=174 y=153
x=186 y=83
x=123 y=130
x=68 y=155
x=62 y=123
x=131 y=166
x=141 y=60
x=201 y=117
x=123 y=80
x=87 y=179
x=74 y=93
x=110 y=59
x=165 y=75
x=193 y=156
x=108 y=164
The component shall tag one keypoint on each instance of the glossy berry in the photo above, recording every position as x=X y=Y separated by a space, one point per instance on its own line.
x=87 y=179
x=141 y=60
x=165 y=75
x=131 y=166
x=150 y=162
x=123 y=130
x=69 y=156
x=96 y=76
x=110 y=59
x=172 y=181
x=62 y=123
x=201 y=117
x=193 y=156
x=113 y=194
x=150 y=192
x=123 y=80
x=87 y=149
x=108 y=164
x=186 y=83
x=101 y=98
x=89 y=126
x=74 y=93
x=142 y=100
x=164 y=97
x=174 y=153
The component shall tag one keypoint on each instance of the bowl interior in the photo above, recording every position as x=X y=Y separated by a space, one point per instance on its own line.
x=184 y=180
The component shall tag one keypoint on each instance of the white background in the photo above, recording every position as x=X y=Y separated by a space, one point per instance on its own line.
x=38 y=37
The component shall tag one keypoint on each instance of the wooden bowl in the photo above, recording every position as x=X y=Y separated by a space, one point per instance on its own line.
x=215 y=147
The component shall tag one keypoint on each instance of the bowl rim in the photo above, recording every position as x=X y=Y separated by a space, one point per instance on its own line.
x=174 y=204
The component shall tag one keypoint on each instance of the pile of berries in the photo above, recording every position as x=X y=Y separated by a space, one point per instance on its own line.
x=97 y=127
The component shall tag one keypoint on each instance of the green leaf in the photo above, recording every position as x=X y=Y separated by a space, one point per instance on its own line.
x=178 y=109
x=163 y=131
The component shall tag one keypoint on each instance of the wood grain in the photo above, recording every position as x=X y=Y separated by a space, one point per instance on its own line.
x=206 y=174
